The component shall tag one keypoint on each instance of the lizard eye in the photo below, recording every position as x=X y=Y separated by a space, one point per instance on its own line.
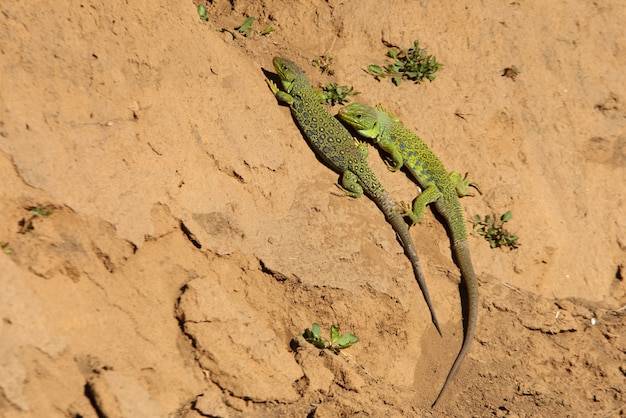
x=358 y=116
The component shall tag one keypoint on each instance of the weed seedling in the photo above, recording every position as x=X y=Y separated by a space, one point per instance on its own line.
x=494 y=231
x=246 y=30
x=337 y=342
x=323 y=63
x=26 y=224
x=332 y=93
x=4 y=246
x=246 y=27
x=202 y=13
x=268 y=29
x=413 y=64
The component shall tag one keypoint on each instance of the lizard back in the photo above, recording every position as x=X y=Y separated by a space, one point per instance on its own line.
x=330 y=139
x=428 y=169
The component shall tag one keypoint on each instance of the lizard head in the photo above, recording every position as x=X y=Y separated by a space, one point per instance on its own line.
x=362 y=117
x=287 y=70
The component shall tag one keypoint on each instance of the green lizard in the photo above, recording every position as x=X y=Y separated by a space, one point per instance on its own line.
x=332 y=142
x=439 y=187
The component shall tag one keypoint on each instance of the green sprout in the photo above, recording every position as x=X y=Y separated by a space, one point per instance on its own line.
x=202 y=13
x=332 y=93
x=246 y=30
x=26 y=224
x=268 y=29
x=4 y=246
x=494 y=231
x=413 y=64
x=323 y=62
x=40 y=211
x=246 y=27
x=337 y=342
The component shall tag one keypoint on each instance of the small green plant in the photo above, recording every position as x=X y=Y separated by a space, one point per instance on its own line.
x=39 y=211
x=26 y=224
x=4 y=246
x=268 y=29
x=323 y=63
x=332 y=93
x=337 y=341
x=413 y=64
x=246 y=30
x=246 y=27
x=494 y=231
x=202 y=12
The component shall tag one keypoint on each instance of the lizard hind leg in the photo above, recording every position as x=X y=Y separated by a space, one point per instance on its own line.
x=350 y=185
x=462 y=185
x=429 y=195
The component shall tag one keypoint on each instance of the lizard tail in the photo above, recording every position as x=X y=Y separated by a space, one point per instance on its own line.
x=461 y=251
x=395 y=218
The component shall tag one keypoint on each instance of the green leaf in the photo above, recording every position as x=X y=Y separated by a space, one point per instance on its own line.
x=317 y=332
x=375 y=70
x=39 y=211
x=313 y=336
x=394 y=68
x=334 y=334
x=346 y=340
x=246 y=27
x=202 y=12
x=506 y=217
x=268 y=29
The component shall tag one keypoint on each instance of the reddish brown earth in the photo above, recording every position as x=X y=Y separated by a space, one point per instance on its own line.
x=193 y=235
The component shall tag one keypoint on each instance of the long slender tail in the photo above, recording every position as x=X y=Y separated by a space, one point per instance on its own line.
x=461 y=251
x=389 y=207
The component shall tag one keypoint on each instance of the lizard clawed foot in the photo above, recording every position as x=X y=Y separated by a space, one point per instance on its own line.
x=346 y=193
x=272 y=86
x=471 y=184
x=462 y=185
x=391 y=166
x=407 y=213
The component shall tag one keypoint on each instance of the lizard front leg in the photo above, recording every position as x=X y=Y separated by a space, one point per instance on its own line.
x=394 y=153
x=281 y=96
x=350 y=184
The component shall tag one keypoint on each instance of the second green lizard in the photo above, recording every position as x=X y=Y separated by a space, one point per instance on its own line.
x=439 y=187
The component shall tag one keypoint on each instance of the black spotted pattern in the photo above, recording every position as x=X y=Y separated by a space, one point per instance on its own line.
x=428 y=169
x=330 y=139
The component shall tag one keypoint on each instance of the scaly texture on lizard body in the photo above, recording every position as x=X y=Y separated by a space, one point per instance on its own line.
x=338 y=149
x=439 y=187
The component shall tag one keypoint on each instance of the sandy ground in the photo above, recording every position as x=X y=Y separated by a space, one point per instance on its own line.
x=187 y=235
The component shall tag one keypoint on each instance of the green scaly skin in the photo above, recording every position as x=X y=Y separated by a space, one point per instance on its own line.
x=439 y=187
x=337 y=148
